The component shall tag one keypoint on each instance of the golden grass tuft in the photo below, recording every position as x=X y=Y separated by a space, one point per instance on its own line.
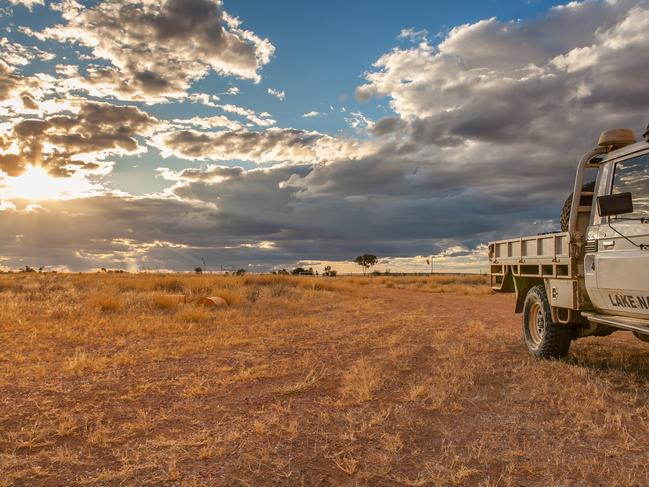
x=6 y=284
x=195 y=314
x=231 y=296
x=166 y=302
x=360 y=381
x=169 y=284
x=106 y=302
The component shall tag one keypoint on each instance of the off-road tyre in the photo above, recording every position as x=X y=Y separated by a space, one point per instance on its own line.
x=544 y=338
x=585 y=201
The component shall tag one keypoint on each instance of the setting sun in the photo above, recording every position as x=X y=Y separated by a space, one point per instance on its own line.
x=36 y=184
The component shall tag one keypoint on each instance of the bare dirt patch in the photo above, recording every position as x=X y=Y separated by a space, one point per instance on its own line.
x=375 y=381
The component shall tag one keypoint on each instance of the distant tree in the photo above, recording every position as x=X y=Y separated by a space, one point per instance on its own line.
x=28 y=269
x=198 y=270
x=283 y=272
x=301 y=271
x=103 y=269
x=366 y=261
x=328 y=271
x=241 y=272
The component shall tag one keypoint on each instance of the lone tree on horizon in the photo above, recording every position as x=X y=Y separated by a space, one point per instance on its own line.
x=366 y=261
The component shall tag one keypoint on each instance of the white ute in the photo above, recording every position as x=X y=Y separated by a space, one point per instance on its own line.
x=592 y=278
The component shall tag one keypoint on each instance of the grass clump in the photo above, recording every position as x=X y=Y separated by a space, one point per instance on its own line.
x=195 y=315
x=166 y=303
x=106 y=302
x=168 y=284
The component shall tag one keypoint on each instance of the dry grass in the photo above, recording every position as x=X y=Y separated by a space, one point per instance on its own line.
x=465 y=284
x=109 y=380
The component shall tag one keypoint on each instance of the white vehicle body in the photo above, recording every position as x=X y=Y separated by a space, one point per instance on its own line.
x=596 y=274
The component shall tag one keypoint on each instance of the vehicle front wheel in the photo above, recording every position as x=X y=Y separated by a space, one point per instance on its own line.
x=544 y=338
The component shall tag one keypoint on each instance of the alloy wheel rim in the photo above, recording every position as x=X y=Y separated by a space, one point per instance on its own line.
x=536 y=324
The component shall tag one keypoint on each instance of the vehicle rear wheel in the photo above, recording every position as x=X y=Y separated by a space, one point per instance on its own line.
x=544 y=338
x=564 y=219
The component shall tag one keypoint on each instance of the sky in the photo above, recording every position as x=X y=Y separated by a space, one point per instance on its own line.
x=164 y=134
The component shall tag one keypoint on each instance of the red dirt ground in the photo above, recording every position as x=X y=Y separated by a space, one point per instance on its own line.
x=372 y=386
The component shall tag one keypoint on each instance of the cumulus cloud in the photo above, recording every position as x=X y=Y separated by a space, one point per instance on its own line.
x=500 y=111
x=155 y=50
x=311 y=114
x=211 y=173
x=15 y=54
x=280 y=95
x=271 y=145
x=497 y=81
x=263 y=119
x=18 y=92
x=9 y=82
x=27 y=3
x=358 y=120
x=217 y=121
x=414 y=35
x=204 y=99
x=65 y=143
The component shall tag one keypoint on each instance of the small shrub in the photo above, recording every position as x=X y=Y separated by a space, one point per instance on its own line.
x=278 y=289
x=253 y=294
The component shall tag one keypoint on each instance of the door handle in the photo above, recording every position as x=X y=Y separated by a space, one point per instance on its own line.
x=608 y=244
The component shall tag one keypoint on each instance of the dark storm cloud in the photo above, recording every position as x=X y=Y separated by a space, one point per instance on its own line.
x=158 y=48
x=387 y=125
x=247 y=218
x=59 y=143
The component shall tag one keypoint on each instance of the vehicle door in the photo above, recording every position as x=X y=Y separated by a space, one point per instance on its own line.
x=622 y=261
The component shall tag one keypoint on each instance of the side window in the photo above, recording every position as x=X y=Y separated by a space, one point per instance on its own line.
x=632 y=176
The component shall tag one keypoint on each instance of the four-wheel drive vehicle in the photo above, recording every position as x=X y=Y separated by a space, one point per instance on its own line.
x=592 y=278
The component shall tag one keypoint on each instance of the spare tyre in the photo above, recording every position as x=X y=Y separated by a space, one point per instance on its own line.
x=586 y=200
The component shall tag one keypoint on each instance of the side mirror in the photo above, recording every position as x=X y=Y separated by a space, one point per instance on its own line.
x=614 y=204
